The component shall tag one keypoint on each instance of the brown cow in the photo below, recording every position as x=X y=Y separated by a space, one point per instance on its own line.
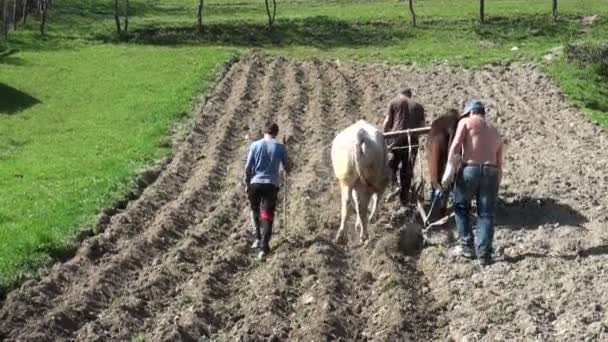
x=437 y=145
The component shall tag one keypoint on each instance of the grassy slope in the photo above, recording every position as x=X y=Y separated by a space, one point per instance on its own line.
x=88 y=114
x=96 y=114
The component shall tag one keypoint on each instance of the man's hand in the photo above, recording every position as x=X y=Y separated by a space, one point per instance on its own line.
x=451 y=169
x=438 y=192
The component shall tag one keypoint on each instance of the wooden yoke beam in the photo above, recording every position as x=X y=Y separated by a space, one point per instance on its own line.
x=420 y=130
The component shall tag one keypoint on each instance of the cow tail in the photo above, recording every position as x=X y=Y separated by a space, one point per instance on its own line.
x=360 y=141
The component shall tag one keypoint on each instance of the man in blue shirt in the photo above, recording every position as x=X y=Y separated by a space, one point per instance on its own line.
x=264 y=159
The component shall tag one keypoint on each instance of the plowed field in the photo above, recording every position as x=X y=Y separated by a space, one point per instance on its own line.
x=175 y=264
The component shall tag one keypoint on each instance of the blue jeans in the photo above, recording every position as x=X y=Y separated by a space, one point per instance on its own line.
x=480 y=181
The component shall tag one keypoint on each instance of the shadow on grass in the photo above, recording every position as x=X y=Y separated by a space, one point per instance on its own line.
x=15 y=61
x=13 y=100
x=514 y=29
x=599 y=103
x=529 y=213
x=326 y=32
x=321 y=32
x=77 y=10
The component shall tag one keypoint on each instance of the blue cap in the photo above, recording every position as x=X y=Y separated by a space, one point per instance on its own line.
x=473 y=104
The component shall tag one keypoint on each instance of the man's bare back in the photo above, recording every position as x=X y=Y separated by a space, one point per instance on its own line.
x=481 y=142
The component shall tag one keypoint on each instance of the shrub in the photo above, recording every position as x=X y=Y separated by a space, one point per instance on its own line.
x=588 y=53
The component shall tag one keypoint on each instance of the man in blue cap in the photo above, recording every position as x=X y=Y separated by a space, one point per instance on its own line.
x=480 y=147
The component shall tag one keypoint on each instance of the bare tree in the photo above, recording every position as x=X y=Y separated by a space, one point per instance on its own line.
x=4 y=26
x=481 y=11
x=413 y=13
x=117 y=18
x=119 y=29
x=126 y=16
x=43 y=7
x=14 y=15
x=274 y=12
x=25 y=11
x=554 y=10
x=199 y=16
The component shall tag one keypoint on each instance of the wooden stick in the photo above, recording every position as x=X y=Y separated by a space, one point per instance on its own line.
x=420 y=130
x=284 y=189
x=405 y=147
x=420 y=208
x=439 y=222
x=284 y=199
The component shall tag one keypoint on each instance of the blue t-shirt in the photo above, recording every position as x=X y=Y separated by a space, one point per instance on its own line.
x=263 y=161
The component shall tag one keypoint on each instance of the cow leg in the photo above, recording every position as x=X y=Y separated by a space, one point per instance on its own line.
x=375 y=199
x=362 y=197
x=341 y=238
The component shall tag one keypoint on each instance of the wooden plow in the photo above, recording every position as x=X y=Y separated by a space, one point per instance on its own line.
x=418 y=189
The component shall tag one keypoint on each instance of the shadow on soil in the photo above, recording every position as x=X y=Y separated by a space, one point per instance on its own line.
x=581 y=253
x=13 y=100
x=529 y=213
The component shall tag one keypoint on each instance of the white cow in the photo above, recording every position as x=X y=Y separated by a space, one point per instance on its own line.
x=359 y=159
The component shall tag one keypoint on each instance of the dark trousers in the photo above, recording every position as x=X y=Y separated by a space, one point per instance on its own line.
x=406 y=173
x=263 y=201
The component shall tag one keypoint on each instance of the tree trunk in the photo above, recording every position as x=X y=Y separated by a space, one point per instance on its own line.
x=14 y=15
x=43 y=6
x=271 y=16
x=481 y=11
x=126 y=16
x=4 y=30
x=116 y=17
x=413 y=13
x=199 y=17
x=24 y=11
x=554 y=10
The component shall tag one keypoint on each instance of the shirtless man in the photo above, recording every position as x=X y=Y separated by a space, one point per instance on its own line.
x=481 y=148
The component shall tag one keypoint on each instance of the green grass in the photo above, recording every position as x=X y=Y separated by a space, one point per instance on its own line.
x=74 y=126
x=586 y=87
x=81 y=110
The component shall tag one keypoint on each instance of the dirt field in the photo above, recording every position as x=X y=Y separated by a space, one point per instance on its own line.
x=175 y=264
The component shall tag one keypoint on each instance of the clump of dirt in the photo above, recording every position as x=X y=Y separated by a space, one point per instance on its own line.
x=175 y=262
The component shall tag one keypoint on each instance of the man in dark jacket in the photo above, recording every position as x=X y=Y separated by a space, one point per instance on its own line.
x=403 y=113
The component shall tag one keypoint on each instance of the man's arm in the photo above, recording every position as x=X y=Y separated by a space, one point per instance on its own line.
x=500 y=160
x=453 y=162
x=388 y=119
x=422 y=117
x=458 y=139
x=248 y=166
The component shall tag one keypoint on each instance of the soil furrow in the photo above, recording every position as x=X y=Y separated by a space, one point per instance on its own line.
x=262 y=285
x=165 y=325
x=325 y=288
x=84 y=302
x=166 y=276
x=20 y=308
x=273 y=91
x=226 y=317
x=175 y=264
